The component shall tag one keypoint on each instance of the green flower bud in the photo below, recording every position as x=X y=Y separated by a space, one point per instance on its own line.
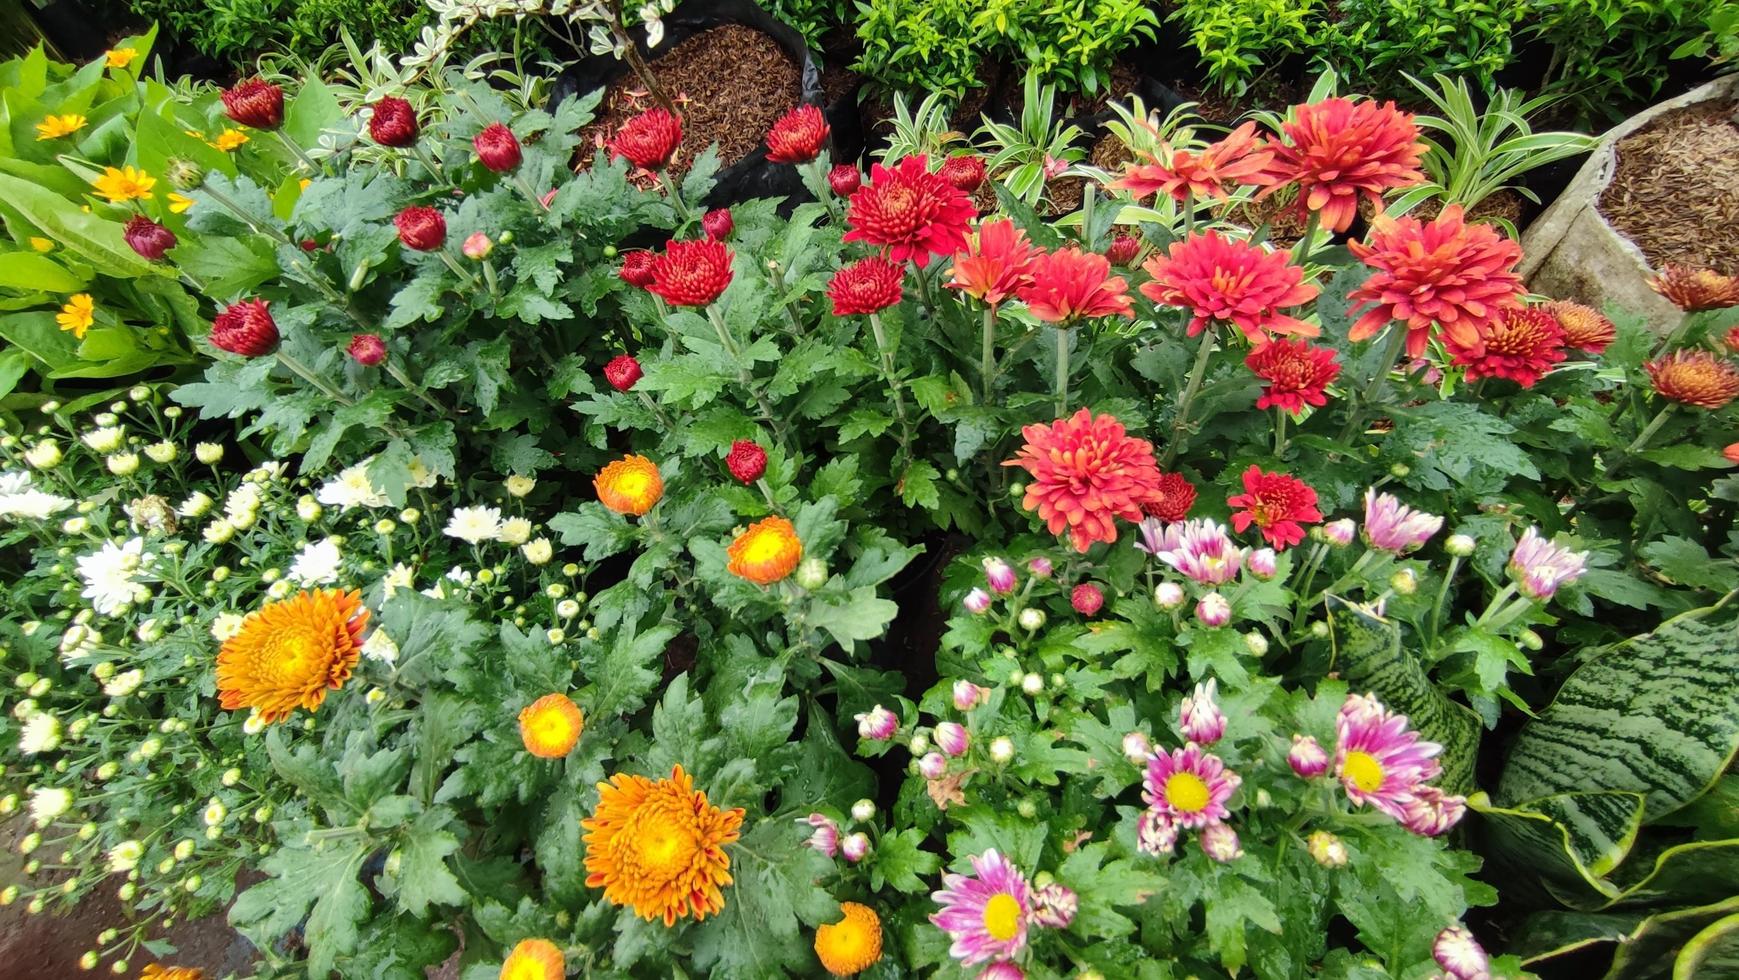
x=184 y=175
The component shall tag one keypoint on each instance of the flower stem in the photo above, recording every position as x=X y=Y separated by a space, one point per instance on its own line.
x=1279 y=432
x=1641 y=440
x=875 y=320
x=1436 y=619
x=402 y=378
x=1380 y=377
x=1062 y=380
x=1301 y=251
x=682 y=209
x=524 y=187
x=987 y=366
x=490 y=280
x=427 y=161
x=309 y=376
x=300 y=154
x=1181 y=421
x=463 y=273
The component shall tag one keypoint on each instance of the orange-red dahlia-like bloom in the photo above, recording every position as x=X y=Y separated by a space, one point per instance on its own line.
x=1444 y=273
x=765 y=553
x=909 y=211
x=996 y=265
x=1296 y=373
x=1071 y=284
x=254 y=102
x=658 y=847
x=1086 y=474
x=630 y=485
x=1694 y=377
x=1521 y=345
x=550 y=727
x=1240 y=158
x=534 y=959
x=1695 y=290
x=1230 y=281
x=1585 y=328
x=1172 y=500
x=1278 y=504
x=1732 y=453
x=649 y=140
x=288 y=654
x=691 y=273
x=1338 y=150
x=866 y=286
x=798 y=136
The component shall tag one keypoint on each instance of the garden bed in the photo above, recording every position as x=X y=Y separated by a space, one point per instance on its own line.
x=1675 y=190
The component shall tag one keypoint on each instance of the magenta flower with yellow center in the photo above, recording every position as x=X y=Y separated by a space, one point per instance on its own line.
x=984 y=913
x=1189 y=786
x=1377 y=759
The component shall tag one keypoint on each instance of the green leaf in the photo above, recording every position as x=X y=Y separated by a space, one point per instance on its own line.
x=423 y=878
x=627 y=673
x=917 y=487
x=30 y=271
x=901 y=862
x=859 y=615
x=95 y=239
x=312 y=110
x=1684 y=562
x=324 y=877
x=759 y=933
x=596 y=528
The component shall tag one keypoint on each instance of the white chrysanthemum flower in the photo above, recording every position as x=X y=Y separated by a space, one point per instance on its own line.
x=110 y=574
x=254 y=725
x=351 y=488
x=19 y=499
x=150 y=631
x=516 y=531
x=421 y=477
x=519 y=486
x=106 y=439
x=123 y=464
x=266 y=472
x=49 y=802
x=538 y=552
x=475 y=525
x=78 y=642
x=197 y=504
x=402 y=576
x=45 y=455
x=225 y=626
x=243 y=500
x=214 y=813
x=41 y=734
x=209 y=453
x=317 y=563
x=218 y=531
x=125 y=856
x=381 y=647
x=162 y=452
x=125 y=683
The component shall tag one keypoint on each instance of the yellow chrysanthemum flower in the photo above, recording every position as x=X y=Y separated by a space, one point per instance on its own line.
x=179 y=203
x=851 y=945
x=229 y=139
x=156 y=971
x=77 y=315
x=122 y=184
x=119 y=57
x=630 y=485
x=54 y=127
x=534 y=959
x=551 y=726
x=290 y=653
x=42 y=244
x=658 y=847
x=767 y=552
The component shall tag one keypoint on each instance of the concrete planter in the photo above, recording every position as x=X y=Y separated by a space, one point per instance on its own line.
x=1571 y=252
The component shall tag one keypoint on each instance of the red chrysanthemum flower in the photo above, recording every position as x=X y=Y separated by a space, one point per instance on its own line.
x=255 y=103
x=844 y=179
x=798 y=136
x=1696 y=290
x=1521 y=345
x=420 y=228
x=649 y=140
x=1071 y=284
x=1585 y=329
x=245 y=328
x=622 y=372
x=1338 y=150
x=1231 y=281
x=1694 y=377
x=1087 y=599
x=747 y=461
x=497 y=148
x=691 y=273
x=366 y=349
x=909 y=211
x=1276 y=503
x=866 y=286
x=1296 y=372
x=1173 y=497
x=637 y=268
x=148 y=238
x=393 y=122
x=965 y=172
x=718 y=223
x=1086 y=474
x=1123 y=249
x=1444 y=273
x=1732 y=453
x=995 y=265
x=1240 y=158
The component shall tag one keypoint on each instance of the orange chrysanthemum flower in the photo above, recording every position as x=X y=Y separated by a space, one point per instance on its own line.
x=994 y=266
x=1732 y=340
x=851 y=945
x=1227 y=280
x=1086 y=473
x=1444 y=272
x=1585 y=328
x=1695 y=290
x=1338 y=150
x=551 y=726
x=534 y=959
x=630 y=485
x=658 y=847
x=1071 y=284
x=1239 y=158
x=1694 y=377
x=1522 y=345
x=767 y=552
x=290 y=653
x=156 y=971
x=1732 y=453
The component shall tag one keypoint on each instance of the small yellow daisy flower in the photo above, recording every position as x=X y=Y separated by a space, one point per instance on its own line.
x=120 y=57
x=122 y=184
x=229 y=140
x=304 y=182
x=41 y=244
x=179 y=203
x=54 y=127
x=77 y=315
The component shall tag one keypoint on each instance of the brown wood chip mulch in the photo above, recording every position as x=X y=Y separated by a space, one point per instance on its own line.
x=1675 y=191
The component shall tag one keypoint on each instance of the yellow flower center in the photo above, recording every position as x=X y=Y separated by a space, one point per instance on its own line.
x=765 y=546
x=1364 y=771
x=1187 y=791
x=524 y=969
x=550 y=726
x=1002 y=917
x=663 y=848
x=633 y=483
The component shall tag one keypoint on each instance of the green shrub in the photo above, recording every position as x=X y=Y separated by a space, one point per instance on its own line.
x=1375 y=42
x=1069 y=42
x=237 y=30
x=811 y=18
x=920 y=45
x=1609 y=55
x=1239 y=40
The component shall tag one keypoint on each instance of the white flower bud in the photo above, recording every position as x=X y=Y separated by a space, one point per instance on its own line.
x=1001 y=749
x=863 y=810
x=162 y=452
x=209 y=453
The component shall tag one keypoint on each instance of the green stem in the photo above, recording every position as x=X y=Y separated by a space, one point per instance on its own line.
x=399 y=375
x=1279 y=432
x=309 y=376
x=1181 y=421
x=300 y=154
x=987 y=366
x=490 y=280
x=1188 y=206
x=682 y=209
x=1061 y=385
x=463 y=273
x=524 y=187
x=1301 y=251
x=1397 y=341
x=1436 y=619
x=1641 y=439
x=427 y=161
x=875 y=320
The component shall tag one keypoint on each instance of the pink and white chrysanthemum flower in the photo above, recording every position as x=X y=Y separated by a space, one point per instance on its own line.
x=1199 y=717
x=1377 y=759
x=1539 y=567
x=825 y=837
x=1189 y=786
x=1156 y=833
x=986 y=912
x=1394 y=527
x=1154 y=536
x=1003 y=970
x=1203 y=551
x=1460 y=954
x=1431 y=812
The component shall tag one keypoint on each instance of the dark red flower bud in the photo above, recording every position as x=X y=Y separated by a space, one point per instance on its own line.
x=717 y=224
x=1087 y=599
x=746 y=461
x=844 y=179
x=245 y=328
x=964 y=172
x=150 y=239
x=649 y=140
x=255 y=103
x=1123 y=249
x=366 y=349
x=798 y=136
x=308 y=244
x=497 y=148
x=622 y=371
x=637 y=268
x=421 y=228
x=394 y=122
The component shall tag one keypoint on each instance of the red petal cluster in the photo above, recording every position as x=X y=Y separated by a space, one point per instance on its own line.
x=1585 y=328
x=798 y=136
x=1087 y=599
x=245 y=328
x=1296 y=371
x=1231 y=281
x=1086 y=474
x=1277 y=503
x=1338 y=149
x=622 y=371
x=965 y=172
x=746 y=461
x=148 y=238
x=1241 y=158
x=497 y=148
x=995 y=265
x=637 y=268
x=255 y=103
x=649 y=140
x=909 y=211
x=1696 y=290
x=421 y=228
x=691 y=273
x=1072 y=284
x=366 y=349
x=866 y=286
x=1444 y=273
x=1173 y=497
x=1123 y=249
x=1521 y=345
x=393 y=122
x=718 y=223
x=1694 y=377
x=844 y=179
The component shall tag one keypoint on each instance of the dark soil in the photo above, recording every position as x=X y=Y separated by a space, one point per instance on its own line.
x=1675 y=191
x=1285 y=225
x=1220 y=109
x=1506 y=205
x=730 y=84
